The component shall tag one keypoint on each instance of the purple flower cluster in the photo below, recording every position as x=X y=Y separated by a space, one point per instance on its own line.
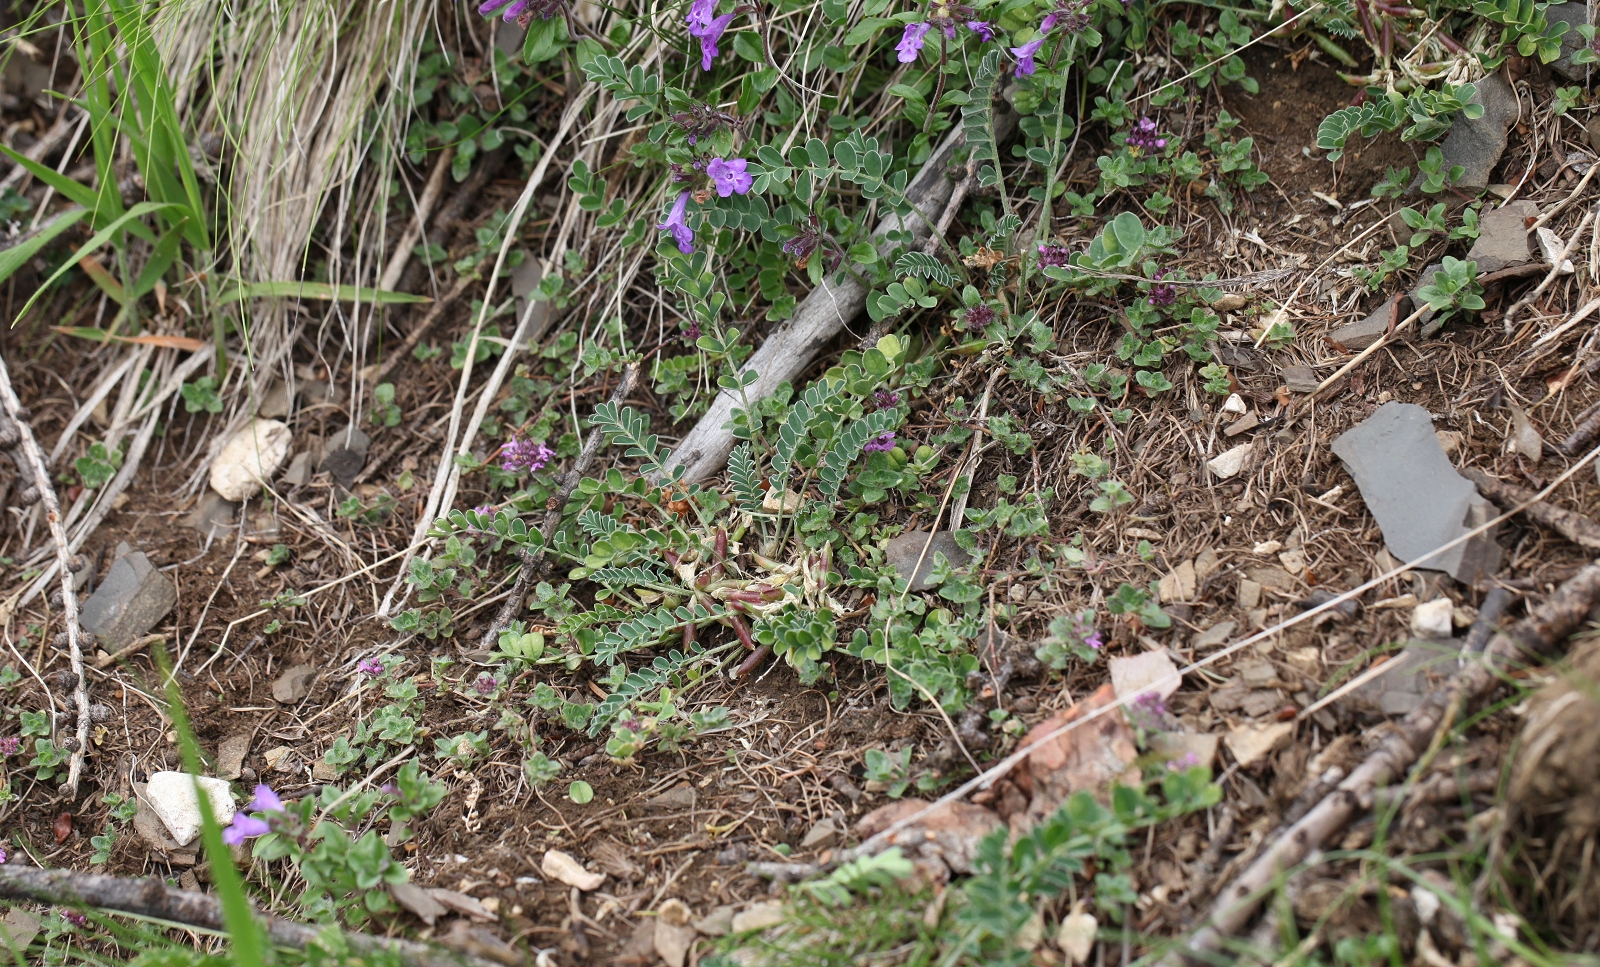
x=1053 y=256
x=706 y=27
x=1071 y=17
x=978 y=316
x=882 y=443
x=9 y=745
x=486 y=684
x=370 y=667
x=885 y=398
x=522 y=12
x=1164 y=294
x=1081 y=627
x=1148 y=710
x=248 y=827
x=1145 y=136
x=946 y=16
x=520 y=455
x=703 y=121
x=729 y=176
x=1025 y=55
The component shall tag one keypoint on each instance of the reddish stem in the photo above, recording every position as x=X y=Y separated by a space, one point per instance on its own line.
x=1367 y=30
x=742 y=630
x=753 y=662
x=1387 y=44
x=688 y=635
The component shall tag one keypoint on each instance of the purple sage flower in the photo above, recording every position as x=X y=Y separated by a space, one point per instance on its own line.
x=519 y=455
x=1052 y=256
x=266 y=801
x=1070 y=17
x=1144 y=136
x=708 y=34
x=9 y=745
x=371 y=667
x=729 y=177
x=486 y=684
x=244 y=827
x=883 y=443
x=886 y=398
x=701 y=13
x=513 y=8
x=978 y=316
x=984 y=30
x=912 y=40
x=1024 y=55
x=678 y=224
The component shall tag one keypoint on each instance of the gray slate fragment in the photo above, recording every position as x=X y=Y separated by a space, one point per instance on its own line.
x=275 y=401
x=1360 y=335
x=230 y=756
x=824 y=835
x=132 y=599
x=299 y=472
x=1503 y=237
x=212 y=515
x=1300 y=379
x=904 y=550
x=418 y=900
x=1407 y=678
x=1476 y=144
x=20 y=928
x=1571 y=14
x=294 y=684
x=1418 y=498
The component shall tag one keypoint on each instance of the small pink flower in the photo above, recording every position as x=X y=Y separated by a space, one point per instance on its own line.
x=883 y=443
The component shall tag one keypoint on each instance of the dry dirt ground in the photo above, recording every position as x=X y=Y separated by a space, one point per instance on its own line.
x=684 y=824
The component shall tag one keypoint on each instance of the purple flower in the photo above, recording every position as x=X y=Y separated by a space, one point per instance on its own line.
x=701 y=120
x=883 y=443
x=519 y=455
x=678 y=224
x=266 y=801
x=244 y=827
x=1071 y=18
x=370 y=666
x=701 y=13
x=1024 y=55
x=513 y=8
x=3 y=856
x=1052 y=256
x=1163 y=295
x=692 y=334
x=1186 y=761
x=912 y=40
x=9 y=745
x=979 y=316
x=886 y=398
x=729 y=177
x=486 y=684
x=708 y=34
x=75 y=918
x=1144 y=136
x=984 y=30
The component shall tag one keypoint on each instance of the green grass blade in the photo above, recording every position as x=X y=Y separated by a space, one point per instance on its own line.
x=318 y=290
x=72 y=190
x=100 y=238
x=161 y=259
x=14 y=257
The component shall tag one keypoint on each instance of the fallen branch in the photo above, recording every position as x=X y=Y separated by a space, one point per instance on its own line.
x=16 y=434
x=790 y=348
x=554 y=506
x=1572 y=525
x=1559 y=616
x=1584 y=429
x=150 y=897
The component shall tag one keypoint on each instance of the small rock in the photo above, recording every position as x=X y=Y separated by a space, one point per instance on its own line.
x=172 y=798
x=1229 y=302
x=1360 y=335
x=1449 y=440
x=1185 y=748
x=148 y=825
x=1418 y=498
x=294 y=684
x=560 y=866
x=641 y=945
x=1206 y=564
x=1251 y=743
x=1249 y=594
x=1321 y=596
x=1229 y=462
x=346 y=454
x=1266 y=548
x=903 y=552
x=249 y=459
x=324 y=771
x=1551 y=247
x=823 y=835
x=279 y=759
x=1217 y=634
x=132 y=599
x=1179 y=583
x=1525 y=440
x=1300 y=379
x=230 y=756
x=678 y=797
x=188 y=881
x=1503 y=237
x=1275 y=578
x=1572 y=14
x=212 y=514
x=1244 y=424
x=1293 y=560
x=1235 y=405
x=717 y=923
x=275 y=401
x=467 y=906
x=299 y=472
x=1477 y=143
x=759 y=917
x=1151 y=671
x=418 y=900
x=673 y=941
x=787 y=504
x=19 y=927
x=1077 y=934
x=1432 y=619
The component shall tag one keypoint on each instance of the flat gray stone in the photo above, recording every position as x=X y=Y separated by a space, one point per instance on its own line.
x=20 y=928
x=351 y=438
x=212 y=515
x=275 y=401
x=824 y=835
x=1503 y=237
x=299 y=472
x=230 y=756
x=1571 y=14
x=346 y=454
x=1419 y=500
x=1405 y=679
x=1476 y=144
x=294 y=684
x=132 y=599
x=1360 y=335
x=903 y=551
x=419 y=901
x=1217 y=634
x=1300 y=379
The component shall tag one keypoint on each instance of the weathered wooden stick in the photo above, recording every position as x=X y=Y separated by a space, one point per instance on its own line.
x=149 y=897
x=1559 y=616
x=789 y=349
x=1572 y=525
x=29 y=458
